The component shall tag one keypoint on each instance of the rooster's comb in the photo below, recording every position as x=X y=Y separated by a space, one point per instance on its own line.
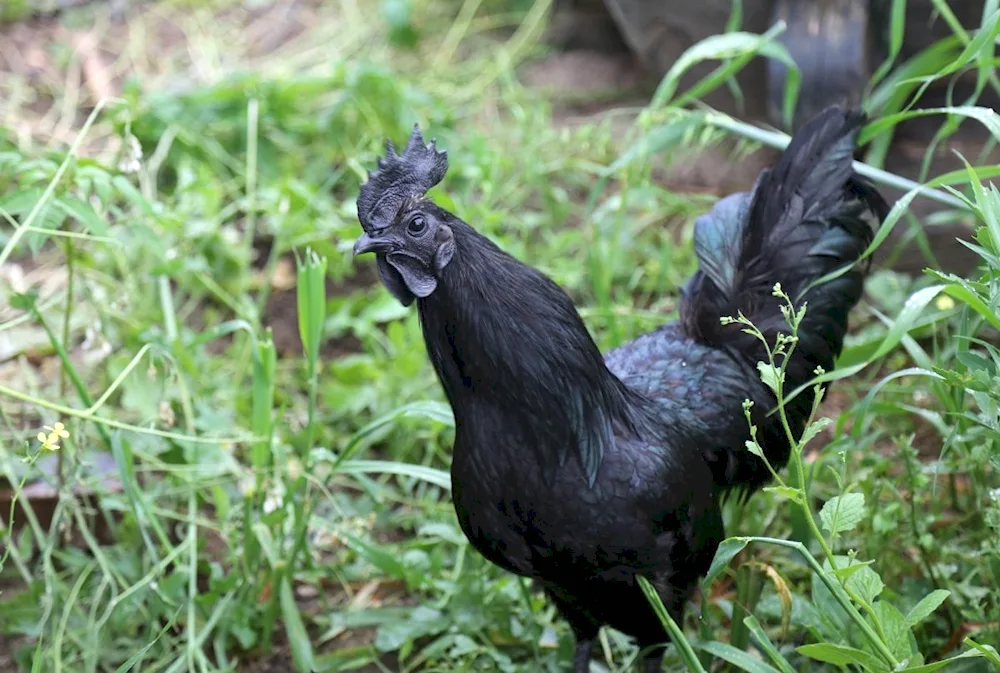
x=399 y=177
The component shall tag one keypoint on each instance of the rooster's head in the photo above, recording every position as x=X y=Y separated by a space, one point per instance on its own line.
x=409 y=234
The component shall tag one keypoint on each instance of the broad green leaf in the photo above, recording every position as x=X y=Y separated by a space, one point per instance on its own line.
x=729 y=548
x=897 y=634
x=843 y=656
x=927 y=605
x=987 y=651
x=20 y=202
x=834 y=620
x=974 y=362
x=422 y=621
x=865 y=583
x=843 y=513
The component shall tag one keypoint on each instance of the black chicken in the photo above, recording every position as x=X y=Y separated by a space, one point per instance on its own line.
x=581 y=470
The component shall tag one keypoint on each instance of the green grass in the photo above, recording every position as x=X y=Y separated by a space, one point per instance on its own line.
x=274 y=488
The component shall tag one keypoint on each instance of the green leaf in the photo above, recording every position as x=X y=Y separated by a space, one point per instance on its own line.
x=843 y=513
x=964 y=291
x=423 y=621
x=865 y=583
x=897 y=634
x=976 y=362
x=845 y=568
x=267 y=543
x=436 y=411
x=842 y=656
x=298 y=638
x=765 y=644
x=385 y=561
x=311 y=302
x=82 y=212
x=814 y=429
x=736 y=657
x=656 y=140
x=793 y=494
x=770 y=375
x=681 y=643
x=723 y=555
x=983 y=115
x=833 y=618
x=944 y=663
x=905 y=321
x=429 y=474
x=735 y=45
x=754 y=448
x=262 y=404
x=141 y=653
x=927 y=605
x=20 y=202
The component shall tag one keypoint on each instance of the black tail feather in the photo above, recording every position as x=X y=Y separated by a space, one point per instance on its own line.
x=808 y=216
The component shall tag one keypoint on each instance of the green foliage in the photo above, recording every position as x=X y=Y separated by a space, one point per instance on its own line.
x=273 y=462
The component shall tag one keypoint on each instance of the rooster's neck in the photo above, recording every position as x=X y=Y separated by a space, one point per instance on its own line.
x=506 y=340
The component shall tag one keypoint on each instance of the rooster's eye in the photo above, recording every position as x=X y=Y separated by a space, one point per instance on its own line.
x=416 y=226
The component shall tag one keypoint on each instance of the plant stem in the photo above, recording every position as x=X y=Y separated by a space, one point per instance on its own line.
x=838 y=593
x=795 y=446
x=74 y=376
x=684 y=648
x=67 y=315
x=173 y=337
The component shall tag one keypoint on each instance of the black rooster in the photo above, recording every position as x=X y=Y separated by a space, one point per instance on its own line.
x=581 y=470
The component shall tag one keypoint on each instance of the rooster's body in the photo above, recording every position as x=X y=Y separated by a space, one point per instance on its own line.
x=583 y=471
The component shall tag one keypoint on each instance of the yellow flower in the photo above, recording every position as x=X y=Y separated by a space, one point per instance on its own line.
x=945 y=303
x=50 y=442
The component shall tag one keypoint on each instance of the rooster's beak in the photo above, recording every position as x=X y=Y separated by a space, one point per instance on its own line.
x=368 y=244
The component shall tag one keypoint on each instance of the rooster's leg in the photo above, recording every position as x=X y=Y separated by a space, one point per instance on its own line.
x=653 y=663
x=581 y=622
x=832 y=43
x=581 y=660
